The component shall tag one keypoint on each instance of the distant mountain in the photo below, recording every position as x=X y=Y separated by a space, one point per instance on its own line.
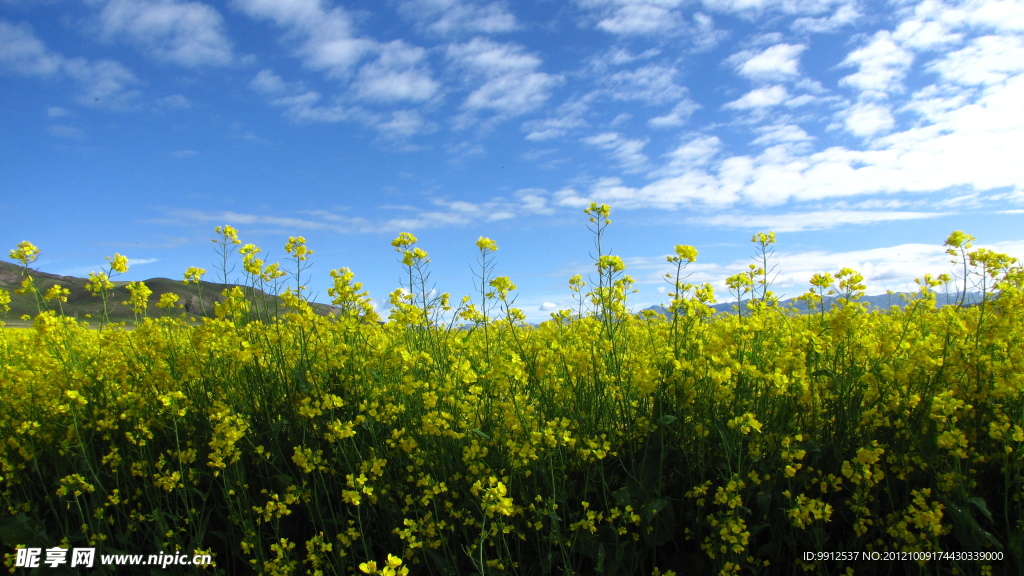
x=82 y=303
x=876 y=302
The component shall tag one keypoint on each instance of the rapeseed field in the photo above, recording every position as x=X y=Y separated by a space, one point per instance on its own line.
x=455 y=438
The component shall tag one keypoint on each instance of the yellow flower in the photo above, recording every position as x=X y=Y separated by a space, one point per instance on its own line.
x=167 y=300
x=404 y=239
x=98 y=282
x=118 y=263
x=688 y=253
x=596 y=211
x=502 y=286
x=57 y=293
x=26 y=253
x=140 y=294
x=193 y=274
x=228 y=234
x=296 y=246
x=959 y=239
x=486 y=244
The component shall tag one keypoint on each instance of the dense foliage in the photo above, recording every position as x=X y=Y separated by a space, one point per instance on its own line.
x=457 y=439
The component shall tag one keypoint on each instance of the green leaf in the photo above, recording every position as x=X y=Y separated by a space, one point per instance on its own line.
x=623 y=496
x=979 y=503
x=764 y=502
x=22 y=530
x=966 y=529
x=652 y=507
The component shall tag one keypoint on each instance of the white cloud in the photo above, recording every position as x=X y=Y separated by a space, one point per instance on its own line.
x=629 y=153
x=986 y=60
x=569 y=117
x=305 y=105
x=760 y=98
x=695 y=153
x=868 y=119
x=186 y=33
x=813 y=220
x=101 y=83
x=679 y=115
x=664 y=18
x=642 y=18
x=329 y=40
x=966 y=150
x=1003 y=15
x=782 y=134
x=510 y=84
x=104 y=83
x=884 y=268
x=302 y=104
x=651 y=84
x=398 y=74
x=618 y=56
x=268 y=82
x=845 y=15
x=882 y=66
x=774 y=63
x=636 y=17
x=23 y=53
x=401 y=124
x=924 y=35
x=705 y=35
x=57 y=112
x=751 y=8
x=533 y=201
x=450 y=17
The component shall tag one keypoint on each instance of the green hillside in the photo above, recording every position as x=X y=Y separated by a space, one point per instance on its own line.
x=85 y=305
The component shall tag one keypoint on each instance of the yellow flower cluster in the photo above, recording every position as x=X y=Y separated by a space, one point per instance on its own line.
x=296 y=443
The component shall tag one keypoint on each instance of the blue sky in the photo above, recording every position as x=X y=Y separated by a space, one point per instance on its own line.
x=862 y=133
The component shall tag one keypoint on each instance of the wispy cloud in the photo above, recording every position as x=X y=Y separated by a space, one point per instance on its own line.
x=22 y=52
x=628 y=152
x=399 y=73
x=773 y=64
x=441 y=213
x=185 y=33
x=452 y=17
x=327 y=37
x=678 y=116
x=844 y=15
x=300 y=103
x=760 y=98
x=813 y=220
x=642 y=18
x=507 y=77
x=651 y=84
x=101 y=83
x=568 y=117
